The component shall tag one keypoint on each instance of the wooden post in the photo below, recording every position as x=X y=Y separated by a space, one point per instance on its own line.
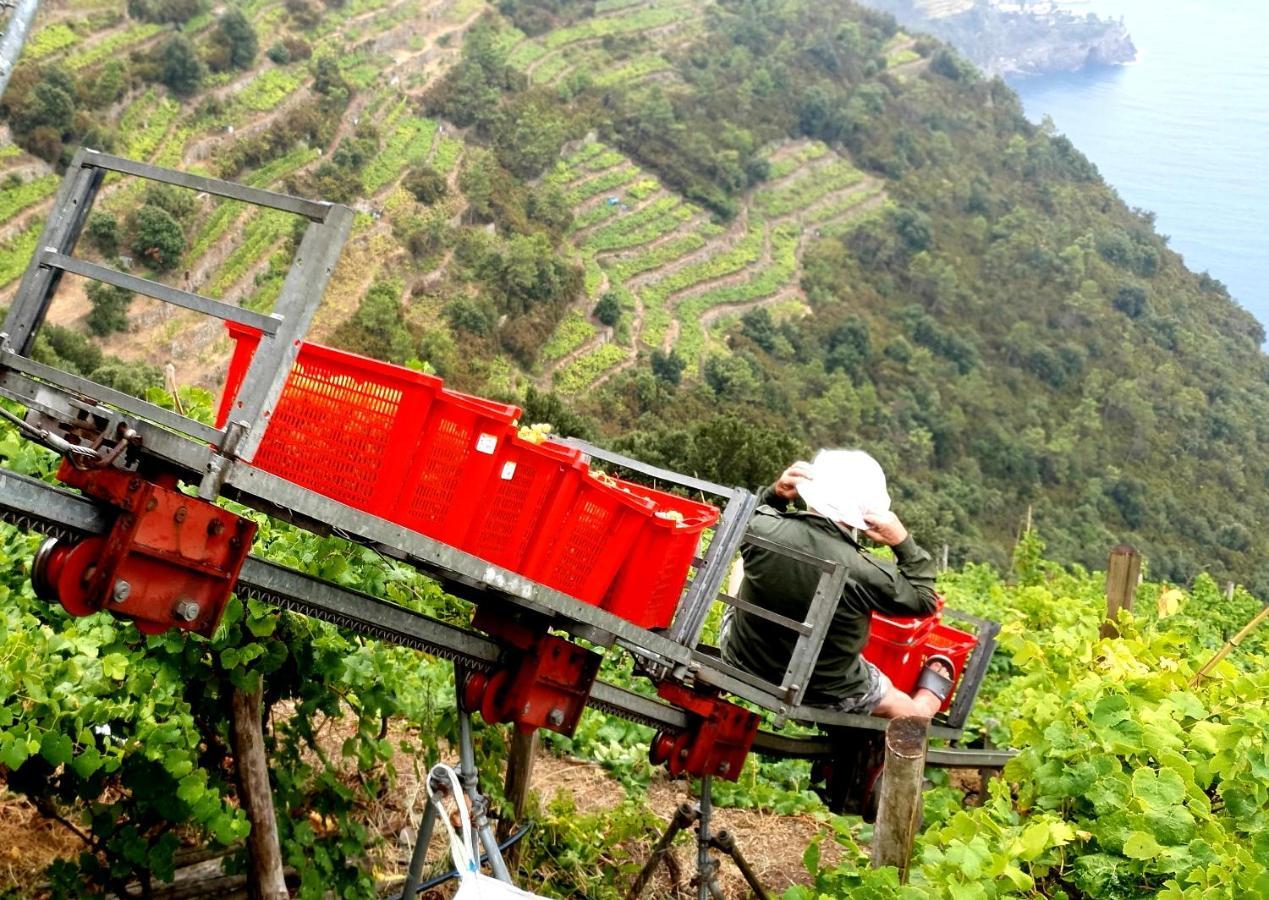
x=943 y=567
x=899 y=814
x=1123 y=571
x=1229 y=645
x=265 y=880
x=524 y=747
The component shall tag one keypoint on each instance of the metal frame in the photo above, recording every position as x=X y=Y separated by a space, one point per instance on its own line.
x=462 y=572
x=42 y=507
x=328 y=229
x=199 y=454
x=706 y=584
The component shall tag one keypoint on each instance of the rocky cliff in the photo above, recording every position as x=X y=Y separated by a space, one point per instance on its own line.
x=1014 y=39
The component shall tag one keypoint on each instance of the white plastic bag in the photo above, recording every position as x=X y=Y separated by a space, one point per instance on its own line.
x=475 y=884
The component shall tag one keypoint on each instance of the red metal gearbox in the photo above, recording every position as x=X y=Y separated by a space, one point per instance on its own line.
x=544 y=682
x=717 y=740
x=169 y=560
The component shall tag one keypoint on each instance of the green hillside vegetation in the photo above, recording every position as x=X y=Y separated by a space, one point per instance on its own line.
x=806 y=229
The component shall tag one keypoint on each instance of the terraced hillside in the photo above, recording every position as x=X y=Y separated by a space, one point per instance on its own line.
x=723 y=232
x=681 y=279
x=234 y=252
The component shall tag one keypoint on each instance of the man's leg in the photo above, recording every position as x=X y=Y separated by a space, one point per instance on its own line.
x=923 y=703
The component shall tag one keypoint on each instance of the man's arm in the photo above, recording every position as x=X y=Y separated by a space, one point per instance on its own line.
x=785 y=489
x=913 y=576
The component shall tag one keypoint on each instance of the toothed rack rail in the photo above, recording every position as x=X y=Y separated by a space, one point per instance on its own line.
x=132 y=543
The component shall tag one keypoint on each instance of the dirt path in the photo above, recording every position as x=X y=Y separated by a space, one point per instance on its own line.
x=661 y=33
x=910 y=69
x=808 y=168
x=683 y=229
x=714 y=313
x=638 y=207
x=858 y=211
x=724 y=281
x=208 y=146
x=738 y=228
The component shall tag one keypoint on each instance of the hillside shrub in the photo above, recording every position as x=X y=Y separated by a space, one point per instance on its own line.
x=176 y=11
x=180 y=68
x=157 y=238
x=233 y=43
x=109 y=308
x=103 y=232
x=608 y=309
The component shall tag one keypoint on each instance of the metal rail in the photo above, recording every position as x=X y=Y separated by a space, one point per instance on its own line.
x=38 y=506
x=328 y=228
x=69 y=410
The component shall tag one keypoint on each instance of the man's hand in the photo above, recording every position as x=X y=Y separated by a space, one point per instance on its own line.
x=885 y=528
x=786 y=486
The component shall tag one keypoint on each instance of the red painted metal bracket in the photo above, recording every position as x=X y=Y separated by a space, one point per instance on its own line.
x=168 y=561
x=716 y=742
x=544 y=681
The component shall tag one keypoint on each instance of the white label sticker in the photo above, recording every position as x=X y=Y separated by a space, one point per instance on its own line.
x=508 y=471
x=487 y=443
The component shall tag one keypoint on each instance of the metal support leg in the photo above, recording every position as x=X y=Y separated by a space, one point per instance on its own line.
x=471 y=785
x=706 y=879
x=684 y=816
x=421 y=840
x=726 y=842
x=706 y=866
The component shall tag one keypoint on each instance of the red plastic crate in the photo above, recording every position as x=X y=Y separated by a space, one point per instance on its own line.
x=650 y=583
x=586 y=535
x=525 y=479
x=451 y=464
x=895 y=645
x=344 y=424
x=953 y=643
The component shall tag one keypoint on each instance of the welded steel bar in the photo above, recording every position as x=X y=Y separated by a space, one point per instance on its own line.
x=806 y=652
x=708 y=581
x=763 y=613
x=43 y=507
x=302 y=291
x=61 y=231
x=127 y=402
x=14 y=37
x=159 y=291
x=643 y=468
x=470 y=777
x=315 y=210
x=971 y=681
x=419 y=856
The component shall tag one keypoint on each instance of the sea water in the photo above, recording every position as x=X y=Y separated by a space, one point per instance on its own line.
x=1184 y=131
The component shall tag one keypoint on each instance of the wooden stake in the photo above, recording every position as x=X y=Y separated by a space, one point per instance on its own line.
x=1123 y=571
x=899 y=814
x=524 y=748
x=1229 y=646
x=265 y=880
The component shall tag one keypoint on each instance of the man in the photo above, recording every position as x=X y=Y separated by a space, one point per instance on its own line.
x=846 y=492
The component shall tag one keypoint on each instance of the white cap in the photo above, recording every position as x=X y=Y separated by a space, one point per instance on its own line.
x=846 y=485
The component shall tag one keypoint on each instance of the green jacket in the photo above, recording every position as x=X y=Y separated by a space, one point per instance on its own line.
x=784 y=586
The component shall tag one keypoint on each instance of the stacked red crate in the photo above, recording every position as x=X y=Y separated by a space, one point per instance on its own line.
x=398 y=444
x=900 y=647
x=647 y=589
